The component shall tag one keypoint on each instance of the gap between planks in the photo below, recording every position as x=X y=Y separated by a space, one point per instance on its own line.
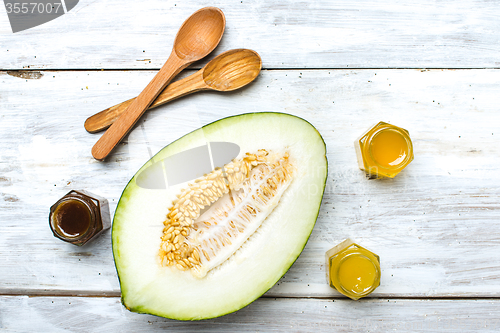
x=90 y=294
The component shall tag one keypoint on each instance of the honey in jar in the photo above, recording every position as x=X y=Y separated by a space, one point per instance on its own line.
x=384 y=150
x=79 y=217
x=352 y=269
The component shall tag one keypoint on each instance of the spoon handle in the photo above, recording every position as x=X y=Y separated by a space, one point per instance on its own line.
x=188 y=85
x=127 y=120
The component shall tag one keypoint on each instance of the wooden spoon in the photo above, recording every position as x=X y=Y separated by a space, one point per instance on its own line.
x=228 y=71
x=196 y=38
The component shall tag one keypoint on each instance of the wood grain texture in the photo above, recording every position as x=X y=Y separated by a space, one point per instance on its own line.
x=197 y=37
x=291 y=34
x=85 y=314
x=115 y=134
x=434 y=225
x=228 y=71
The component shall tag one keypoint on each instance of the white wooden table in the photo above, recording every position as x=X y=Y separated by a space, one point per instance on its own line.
x=432 y=67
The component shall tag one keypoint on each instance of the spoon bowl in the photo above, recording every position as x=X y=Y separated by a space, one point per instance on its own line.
x=228 y=71
x=199 y=34
x=232 y=70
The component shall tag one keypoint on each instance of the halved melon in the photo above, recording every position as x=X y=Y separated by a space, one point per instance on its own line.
x=208 y=246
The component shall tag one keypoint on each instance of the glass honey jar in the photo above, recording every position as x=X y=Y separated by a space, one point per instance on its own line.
x=352 y=269
x=79 y=216
x=384 y=150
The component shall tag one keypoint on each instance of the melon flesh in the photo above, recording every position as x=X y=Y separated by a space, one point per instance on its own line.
x=149 y=287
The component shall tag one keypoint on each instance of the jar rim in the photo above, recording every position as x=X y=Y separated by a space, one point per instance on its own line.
x=402 y=133
x=80 y=198
x=348 y=254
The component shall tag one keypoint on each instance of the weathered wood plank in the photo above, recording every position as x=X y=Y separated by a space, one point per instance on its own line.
x=433 y=225
x=85 y=314
x=292 y=34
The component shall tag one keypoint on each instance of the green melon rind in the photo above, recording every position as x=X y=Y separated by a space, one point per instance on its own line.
x=192 y=140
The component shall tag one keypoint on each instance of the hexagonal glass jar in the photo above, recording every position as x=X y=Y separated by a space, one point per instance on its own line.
x=79 y=217
x=384 y=150
x=352 y=269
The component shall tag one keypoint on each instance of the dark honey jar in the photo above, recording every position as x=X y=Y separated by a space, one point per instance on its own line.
x=79 y=217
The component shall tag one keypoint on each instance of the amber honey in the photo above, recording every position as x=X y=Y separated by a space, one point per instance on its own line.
x=357 y=274
x=384 y=150
x=72 y=218
x=79 y=216
x=352 y=269
x=389 y=148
